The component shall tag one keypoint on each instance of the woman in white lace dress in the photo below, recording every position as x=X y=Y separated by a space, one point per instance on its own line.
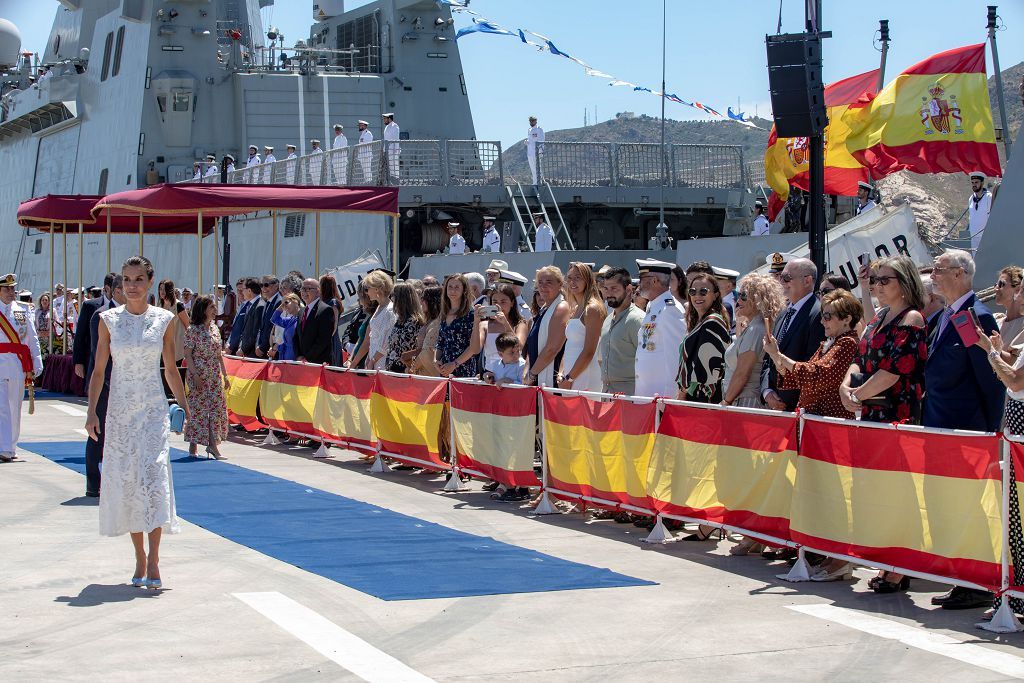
x=580 y=369
x=138 y=496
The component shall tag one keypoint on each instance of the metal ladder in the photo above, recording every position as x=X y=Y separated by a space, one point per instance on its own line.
x=524 y=216
x=525 y=226
x=560 y=229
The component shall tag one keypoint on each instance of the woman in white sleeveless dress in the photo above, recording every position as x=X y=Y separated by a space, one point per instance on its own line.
x=546 y=340
x=138 y=495
x=580 y=369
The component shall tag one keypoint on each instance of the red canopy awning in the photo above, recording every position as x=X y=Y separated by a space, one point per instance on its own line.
x=228 y=200
x=71 y=210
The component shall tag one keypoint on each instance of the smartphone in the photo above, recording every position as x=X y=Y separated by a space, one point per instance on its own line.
x=488 y=312
x=966 y=324
x=865 y=258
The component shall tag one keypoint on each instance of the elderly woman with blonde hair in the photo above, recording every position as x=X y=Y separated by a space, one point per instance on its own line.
x=546 y=341
x=758 y=297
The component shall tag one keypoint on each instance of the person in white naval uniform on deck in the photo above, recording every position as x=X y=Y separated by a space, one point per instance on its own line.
x=315 y=163
x=662 y=330
x=229 y=163
x=978 y=208
x=290 y=165
x=198 y=168
x=544 y=238
x=365 y=153
x=492 y=240
x=254 y=157
x=339 y=155
x=864 y=200
x=20 y=362
x=211 y=167
x=268 y=164
x=456 y=243
x=393 y=150
x=762 y=226
x=534 y=146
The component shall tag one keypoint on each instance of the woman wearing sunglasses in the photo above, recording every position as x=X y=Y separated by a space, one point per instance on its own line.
x=702 y=353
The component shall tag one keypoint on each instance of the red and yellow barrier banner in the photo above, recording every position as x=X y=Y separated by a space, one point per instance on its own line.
x=342 y=412
x=495 y=431
x=599 y=449
x=406 y=416
x=724 y=467
x=288 y=397
x=918 y=500
x=1017 y=458
x=243 y=396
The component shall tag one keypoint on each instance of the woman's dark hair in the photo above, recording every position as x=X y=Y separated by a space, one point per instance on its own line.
x=692 y=319
x=515 y=316
x=432 y=301
x=680 y=274
x=200 y=305
x=329 y=290
x=406 y=303
x=166 y=291
x=140 y=262
x=837 y=281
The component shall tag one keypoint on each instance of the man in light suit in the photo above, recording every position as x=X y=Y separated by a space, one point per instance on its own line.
x=315 y=329
x=797 y=327
x=961 y=390
x=94 y=448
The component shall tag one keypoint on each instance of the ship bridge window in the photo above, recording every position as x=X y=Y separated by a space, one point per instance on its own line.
x=106 y=56
x=117 y=52
x=182 y=100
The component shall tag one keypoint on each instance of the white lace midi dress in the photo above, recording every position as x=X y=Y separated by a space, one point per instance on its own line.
x=138 y=495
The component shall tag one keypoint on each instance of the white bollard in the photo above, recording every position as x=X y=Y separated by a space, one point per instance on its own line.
x=1003 y=621
x=322 y=452
x=801 y=571
x=271 y=440
x=379 y=466
x=660 y=533
x=544 y=506
x=454 y=483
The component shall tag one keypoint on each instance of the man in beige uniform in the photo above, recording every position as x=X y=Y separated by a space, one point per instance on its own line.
x=620 y=333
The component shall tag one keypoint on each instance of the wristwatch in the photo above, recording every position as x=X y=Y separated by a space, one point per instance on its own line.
x=993 y=354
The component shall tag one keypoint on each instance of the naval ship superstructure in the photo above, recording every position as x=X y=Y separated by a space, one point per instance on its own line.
x=138 y=92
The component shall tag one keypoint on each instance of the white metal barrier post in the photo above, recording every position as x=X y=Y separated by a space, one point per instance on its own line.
x=544 y=505
x=454 y=483
x=1004 y=620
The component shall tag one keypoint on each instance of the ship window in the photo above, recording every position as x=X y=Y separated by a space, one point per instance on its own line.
x=103 y=181
x=39 y=246
x=182 y=100
x=295 y=225
x=117 y=51
x=106 y=56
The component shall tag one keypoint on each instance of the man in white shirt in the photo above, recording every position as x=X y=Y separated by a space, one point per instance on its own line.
x=211 y=166
x=365 y=155
x=315 y=162
x=978 y=208
x=391 y=135
x=198 y=168
x=864 y=200
x=662 y=330
x=268 y=164
x=339 y=155
x=544 y=238
x=229 y=161
x=254 y=157
x=291 y=163
x=761 y=225
x=534 y=146
x=492 y=240
x=456 y=243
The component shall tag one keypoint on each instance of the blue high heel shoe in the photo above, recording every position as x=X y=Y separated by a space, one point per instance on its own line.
x=155 y=584
x=139 y=581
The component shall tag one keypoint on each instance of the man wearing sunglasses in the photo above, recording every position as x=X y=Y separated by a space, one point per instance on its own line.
x=662 y=330
x=797 y=328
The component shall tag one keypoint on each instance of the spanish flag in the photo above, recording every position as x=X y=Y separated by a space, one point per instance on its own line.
x=787 y=160
x=495 y=431
x=342 y=411
x=406 y=417
x=935 y=117
x=288 y=397
x=244 y=395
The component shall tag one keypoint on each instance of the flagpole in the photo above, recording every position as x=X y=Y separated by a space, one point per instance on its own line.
x=662 y=230
x=883 y=31
x=992 y=16
x=816 y=228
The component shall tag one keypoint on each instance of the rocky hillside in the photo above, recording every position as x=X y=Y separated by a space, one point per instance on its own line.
x=938 y=200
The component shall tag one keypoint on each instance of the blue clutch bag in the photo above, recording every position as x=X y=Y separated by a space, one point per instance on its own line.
x=177 y=416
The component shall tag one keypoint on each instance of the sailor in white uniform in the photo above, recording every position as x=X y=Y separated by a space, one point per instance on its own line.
x=978 y=208
x=492 y=240
x=662 y=330
x=315 y=162
x=268 y=164
x=391 y=135
x=864 y=200
x=230 y=161
x=761 y=225
x=456 y=243
x=254 y=157
x=290 y=165
x=544 y=238
x=211 y=167
x=20 y=362
x=365 y=155
x=198 y=168
x=534 y=146
x=339 y=155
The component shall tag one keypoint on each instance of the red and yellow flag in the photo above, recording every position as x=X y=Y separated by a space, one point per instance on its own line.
x=288 y=397
x=406 y=415
x=787 y=160
x=243 y=397
x=495 y=431
x=342 y=412
x=935 y=117
x=908 y=498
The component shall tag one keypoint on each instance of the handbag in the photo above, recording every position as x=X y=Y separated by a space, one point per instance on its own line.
x=177 y=417
x=856 y=380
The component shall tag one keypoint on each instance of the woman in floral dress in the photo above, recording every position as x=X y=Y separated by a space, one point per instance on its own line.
x=207 y=380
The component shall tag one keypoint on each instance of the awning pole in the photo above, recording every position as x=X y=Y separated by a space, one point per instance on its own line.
x=81 y=277
x=142 y=251
x=273 y=243
x=199 y=248
x=64 y=234
x=316 y=250
x=53 y=299
x=108 y=240
x=394 y=244
x=216 y=258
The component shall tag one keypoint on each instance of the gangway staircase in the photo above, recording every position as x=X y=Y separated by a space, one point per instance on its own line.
x=523 y=212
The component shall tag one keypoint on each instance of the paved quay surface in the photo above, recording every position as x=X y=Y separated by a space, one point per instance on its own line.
x=228 y=612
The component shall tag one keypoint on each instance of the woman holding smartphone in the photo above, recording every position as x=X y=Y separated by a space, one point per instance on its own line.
x=500 y=317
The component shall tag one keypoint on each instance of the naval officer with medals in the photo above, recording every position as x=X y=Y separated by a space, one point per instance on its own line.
x=662 y=330
x=20 y=362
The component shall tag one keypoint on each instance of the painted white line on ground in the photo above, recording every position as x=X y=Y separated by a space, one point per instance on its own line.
x=936 y=643
x=69 y=410
x=330 y=640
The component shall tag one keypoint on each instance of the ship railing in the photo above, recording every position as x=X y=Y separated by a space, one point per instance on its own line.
x=577 y=164
x=755 y=173
x=719 y=166
x=641 y=163
x=473 y=163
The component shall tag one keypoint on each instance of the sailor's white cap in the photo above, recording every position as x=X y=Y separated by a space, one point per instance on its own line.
x=337 y=126
x=777 y=261
x=389 y=115
x=538 y=213
x=314 y=141
x=210 y=157
x=490 y=218
x=454 y=224
x=254 y=148
x=646 y=266
x=268 y=148
x=510 y=277
x=229 y=158
x=725 y=273
x=758 y=204
x=365 y=123
x=291 y=146
x=864 y=185
x=979 y=175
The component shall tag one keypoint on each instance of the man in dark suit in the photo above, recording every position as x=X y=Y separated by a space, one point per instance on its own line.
x=83 y=335
x=961 y=390
x=272 y=297
x=248 y=292
x=315 y=327
x=253 y=323
x=797 y=327
x=94 y=448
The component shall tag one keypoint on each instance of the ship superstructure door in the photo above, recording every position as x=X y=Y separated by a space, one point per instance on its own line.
x=175 y=93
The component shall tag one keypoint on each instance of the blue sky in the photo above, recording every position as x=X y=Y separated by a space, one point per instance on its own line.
x=715 y=50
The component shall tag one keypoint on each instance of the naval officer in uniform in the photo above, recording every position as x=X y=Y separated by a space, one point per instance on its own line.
x=544 y=237
x=492 y=240
x=315 y=164
x=456 y=243
x=365 y=156
x=20 y=362
x=978 y=208
x=290 y=165
x=254 y=157
x=391 y=135
x=662 y=330
x=268 y=164
x=534 y=147
x=761 y=225
x=211 y=166
x=339 y=155
x=864 y=200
